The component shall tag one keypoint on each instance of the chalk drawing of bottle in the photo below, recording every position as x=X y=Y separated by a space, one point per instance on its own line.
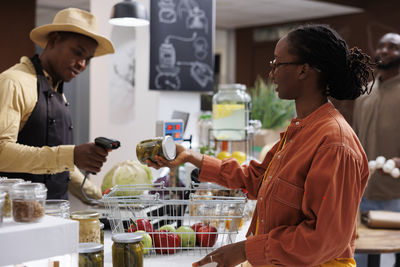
x=167 y=71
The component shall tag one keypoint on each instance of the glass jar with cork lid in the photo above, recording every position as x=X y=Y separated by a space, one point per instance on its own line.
x=89 y=225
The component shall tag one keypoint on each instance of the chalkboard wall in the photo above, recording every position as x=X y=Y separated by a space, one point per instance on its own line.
x=181 y=45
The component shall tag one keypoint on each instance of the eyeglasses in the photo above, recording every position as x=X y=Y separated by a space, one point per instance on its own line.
x=275 y=64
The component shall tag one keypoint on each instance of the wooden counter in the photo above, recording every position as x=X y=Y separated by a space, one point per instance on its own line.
x=377 y=241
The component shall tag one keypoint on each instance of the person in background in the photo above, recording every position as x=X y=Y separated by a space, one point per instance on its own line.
x=376 y=122
x=36 y=137
x=309 y=185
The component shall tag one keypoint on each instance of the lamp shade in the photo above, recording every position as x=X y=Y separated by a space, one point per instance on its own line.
x=129 y=13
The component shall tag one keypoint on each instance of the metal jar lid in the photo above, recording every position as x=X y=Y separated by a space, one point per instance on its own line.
x=169 y=148
x=127 y=237
x=84 y=215
x=90 y=247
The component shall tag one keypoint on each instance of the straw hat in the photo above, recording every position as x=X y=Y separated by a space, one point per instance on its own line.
x=73 y=20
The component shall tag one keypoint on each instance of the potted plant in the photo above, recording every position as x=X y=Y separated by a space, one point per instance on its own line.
x=273 y=112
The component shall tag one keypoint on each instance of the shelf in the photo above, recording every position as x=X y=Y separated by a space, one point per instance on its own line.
x=24 y=242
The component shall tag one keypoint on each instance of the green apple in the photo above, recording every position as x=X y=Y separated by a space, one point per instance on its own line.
x=168 y=228
x=187 y=236
x=146 y=241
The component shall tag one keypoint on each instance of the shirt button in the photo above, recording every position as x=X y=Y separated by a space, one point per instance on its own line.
x=297 y=123
x=262 y=220
x=71 y=127
x=270 y=176
x=67 y=104
x=279 y=156
x=260 y=198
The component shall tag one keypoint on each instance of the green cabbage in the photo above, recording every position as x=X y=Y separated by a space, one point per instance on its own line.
x=127 y=172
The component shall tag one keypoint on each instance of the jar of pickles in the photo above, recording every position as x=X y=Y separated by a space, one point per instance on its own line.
x=127 y=250
x=89 y=225
x=159 y=146
x=91 y=255
x=5 y=185
x=27 y=201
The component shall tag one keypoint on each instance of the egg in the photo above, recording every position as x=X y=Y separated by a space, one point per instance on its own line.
x=380 y=161
x=395 y=173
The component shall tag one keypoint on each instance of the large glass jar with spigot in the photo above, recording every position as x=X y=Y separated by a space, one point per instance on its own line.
x=230 y=112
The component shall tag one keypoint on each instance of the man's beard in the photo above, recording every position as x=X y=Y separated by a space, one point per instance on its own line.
x=385 y=66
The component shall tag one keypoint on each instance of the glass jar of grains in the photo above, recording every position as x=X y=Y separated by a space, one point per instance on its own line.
x=91 y=255
x=27 y=201
x=5 y=185
x=89 y=225
x=127 y=250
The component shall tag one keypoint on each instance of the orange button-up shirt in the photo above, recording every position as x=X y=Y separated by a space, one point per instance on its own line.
x=308 y=203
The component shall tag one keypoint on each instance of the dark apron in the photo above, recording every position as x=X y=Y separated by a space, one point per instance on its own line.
x=50 y=124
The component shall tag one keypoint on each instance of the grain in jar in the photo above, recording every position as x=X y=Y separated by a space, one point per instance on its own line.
x=5 y=185
x=89 y=225
x=127 y=250
x=27 y=201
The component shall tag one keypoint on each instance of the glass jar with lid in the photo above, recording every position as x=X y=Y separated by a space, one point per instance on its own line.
x=27 y=201
x=230 y=112
x=89 y=225
x=5 y=185
x=2 y=200
x=91 y=254
x=102 y=233
x=57 y=207
x=127 y=250
x=159 y=146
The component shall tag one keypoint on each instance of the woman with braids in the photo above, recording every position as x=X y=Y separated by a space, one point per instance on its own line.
x=309 y=185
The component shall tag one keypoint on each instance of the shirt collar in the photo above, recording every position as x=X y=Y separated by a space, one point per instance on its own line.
x=314 y=116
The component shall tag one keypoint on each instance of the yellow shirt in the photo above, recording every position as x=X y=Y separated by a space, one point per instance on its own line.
x=18 y=97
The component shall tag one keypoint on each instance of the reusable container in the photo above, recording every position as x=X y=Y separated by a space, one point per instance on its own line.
x=89 y=225
x=159 y=146
x=2 y=200
x=91 y=255
x=127 y=250
x=102 y=233
x=57 y=207
x=27 y=201
x=5 y=185
x=230 y=112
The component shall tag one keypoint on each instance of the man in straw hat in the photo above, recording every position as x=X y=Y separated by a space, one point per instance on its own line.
x=36 y=137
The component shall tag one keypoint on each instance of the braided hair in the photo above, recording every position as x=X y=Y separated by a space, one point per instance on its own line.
x=345 y=72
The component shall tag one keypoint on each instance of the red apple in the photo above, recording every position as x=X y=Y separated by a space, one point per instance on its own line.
x=166 y=242
x=207 y=236
x=141 y=224
x=196 y=226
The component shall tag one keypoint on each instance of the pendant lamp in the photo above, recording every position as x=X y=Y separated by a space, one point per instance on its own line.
x=129 y=13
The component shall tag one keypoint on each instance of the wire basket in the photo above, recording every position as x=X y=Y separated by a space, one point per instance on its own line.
x=211 y=214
